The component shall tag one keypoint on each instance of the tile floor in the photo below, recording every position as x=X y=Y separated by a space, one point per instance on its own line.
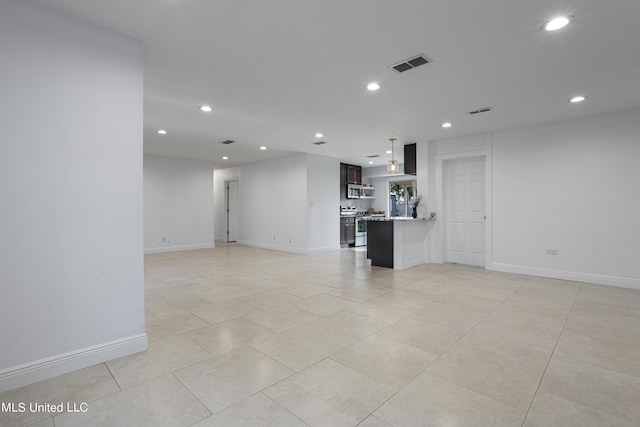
x=240 y=336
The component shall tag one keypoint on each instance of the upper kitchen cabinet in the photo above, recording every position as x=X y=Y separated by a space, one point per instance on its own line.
x=343 y=181
x=354 y=174
x=410 y=159
x=349 y=174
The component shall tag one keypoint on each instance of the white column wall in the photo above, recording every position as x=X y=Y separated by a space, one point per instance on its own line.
x=71 y=258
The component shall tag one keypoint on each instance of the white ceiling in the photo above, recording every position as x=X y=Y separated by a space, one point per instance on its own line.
x=278 y=71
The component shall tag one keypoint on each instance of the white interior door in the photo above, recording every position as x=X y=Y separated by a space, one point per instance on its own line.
x=232 y=211
x=465 y=211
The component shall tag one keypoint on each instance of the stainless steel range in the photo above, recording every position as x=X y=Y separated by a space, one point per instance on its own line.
x=347 y=226
x=353 y=231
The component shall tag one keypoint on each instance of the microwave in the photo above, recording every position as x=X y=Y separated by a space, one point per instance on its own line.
x=354 y=191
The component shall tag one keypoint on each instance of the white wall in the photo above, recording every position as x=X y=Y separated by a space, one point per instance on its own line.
x=178 y=204
x=274 y=203
x=323 y=203
x=573 y=187
x=569 y=186
x=71 y=261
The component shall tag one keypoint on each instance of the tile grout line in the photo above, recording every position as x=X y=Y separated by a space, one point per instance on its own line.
x=424 y=371
x=194 y=396
x=276 y=402
x=113 y=376
x=535 y=394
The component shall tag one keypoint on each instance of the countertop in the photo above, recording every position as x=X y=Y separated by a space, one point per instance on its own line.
x=403 y=218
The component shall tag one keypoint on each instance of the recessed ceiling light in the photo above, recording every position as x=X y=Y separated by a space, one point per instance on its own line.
x=206 y=108
x=388 y=152
x=446 y=125
x=162 y=131
x=319 y=135
x=373 y=86
x=557 y=23
x=225 y=158
x=263 y=148
x=370 y=163
x=577 y=99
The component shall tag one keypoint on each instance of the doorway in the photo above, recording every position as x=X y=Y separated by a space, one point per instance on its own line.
x=465 y=213
x=231 y=209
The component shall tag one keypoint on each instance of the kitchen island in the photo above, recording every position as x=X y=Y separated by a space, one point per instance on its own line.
x=397 y=242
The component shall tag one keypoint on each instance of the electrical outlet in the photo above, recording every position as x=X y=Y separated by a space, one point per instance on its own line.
x=552 y=252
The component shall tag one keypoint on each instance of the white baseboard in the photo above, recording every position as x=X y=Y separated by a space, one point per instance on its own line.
x=29 y=373
x=599 y=279
x=165 y=249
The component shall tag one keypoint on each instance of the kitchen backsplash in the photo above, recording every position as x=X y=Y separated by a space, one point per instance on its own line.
x=360 y=204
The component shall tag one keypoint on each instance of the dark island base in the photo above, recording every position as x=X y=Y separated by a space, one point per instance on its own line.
x=380 y=243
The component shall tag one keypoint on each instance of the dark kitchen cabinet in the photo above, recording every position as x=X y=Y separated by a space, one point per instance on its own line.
x=347 y=231
x=410 y=159
x=380 y=243
x=349 y=174
x=343 y=181
x=354 y=174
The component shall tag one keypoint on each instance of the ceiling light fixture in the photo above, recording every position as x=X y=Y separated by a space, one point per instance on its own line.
x=373 y=86
x=319 y=135
x=225 y=158
x=162 y=132
x=577 y=99
x=206 y=108
x=557 y=23
x=392 y=166
x=446 y=125
x=388 y=151
x=370 y=163
x=263 y=148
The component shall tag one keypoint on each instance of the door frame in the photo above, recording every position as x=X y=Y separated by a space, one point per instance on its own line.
x=439 y=241
x=447 y=203
x=227 y=210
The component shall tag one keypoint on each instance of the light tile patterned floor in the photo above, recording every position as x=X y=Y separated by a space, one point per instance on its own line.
x=240 y=336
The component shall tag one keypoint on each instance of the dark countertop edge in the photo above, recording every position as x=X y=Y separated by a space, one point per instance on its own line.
x=398 y=219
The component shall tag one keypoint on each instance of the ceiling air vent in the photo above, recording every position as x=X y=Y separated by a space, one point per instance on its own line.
x=319 y=143
x=373 y=156
x=411 y=63
x=227 y=142
x=481 y=110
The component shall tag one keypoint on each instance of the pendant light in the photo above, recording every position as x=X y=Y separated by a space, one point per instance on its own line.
x=392 y=166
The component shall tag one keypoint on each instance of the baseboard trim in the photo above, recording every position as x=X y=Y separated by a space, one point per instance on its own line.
x=32 y=372
x=599 y=279
x=180 y=248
